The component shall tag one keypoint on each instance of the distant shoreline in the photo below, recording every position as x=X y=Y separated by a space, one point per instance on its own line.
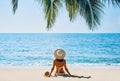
x=69 y=66
x=59 y=33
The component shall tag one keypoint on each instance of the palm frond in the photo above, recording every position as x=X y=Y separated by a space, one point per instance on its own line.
x=15 y=5
x=91 y=11
x=51 y=9
x=72 y=8
x=113 y=2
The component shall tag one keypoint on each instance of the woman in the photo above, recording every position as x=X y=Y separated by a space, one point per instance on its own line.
x=60 y=63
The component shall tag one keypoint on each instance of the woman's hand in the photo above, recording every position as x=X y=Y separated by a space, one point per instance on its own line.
x=69 y=74
x=49 y=75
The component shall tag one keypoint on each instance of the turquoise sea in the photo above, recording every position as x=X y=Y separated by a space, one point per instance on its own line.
x=36 y=49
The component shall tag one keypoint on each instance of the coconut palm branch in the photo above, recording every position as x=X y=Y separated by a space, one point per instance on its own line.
x=113 y=2
x=72 y=7
x=90 y=10
x=51 y=9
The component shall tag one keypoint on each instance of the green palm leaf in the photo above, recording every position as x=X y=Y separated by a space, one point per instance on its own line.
x=51 y=8
x=91 y=11
x=72 y=8
x=113 y=2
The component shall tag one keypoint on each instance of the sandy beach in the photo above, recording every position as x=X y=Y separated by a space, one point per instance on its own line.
x=37 y=74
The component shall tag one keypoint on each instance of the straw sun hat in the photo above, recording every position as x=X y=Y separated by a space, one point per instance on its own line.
x=59 y=54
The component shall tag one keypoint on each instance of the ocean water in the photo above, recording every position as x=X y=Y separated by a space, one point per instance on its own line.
x=20 y=49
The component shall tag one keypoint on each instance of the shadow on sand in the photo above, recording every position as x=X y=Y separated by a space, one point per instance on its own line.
x=76 y=76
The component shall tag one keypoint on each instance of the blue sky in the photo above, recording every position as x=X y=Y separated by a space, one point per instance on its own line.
x=29 y=18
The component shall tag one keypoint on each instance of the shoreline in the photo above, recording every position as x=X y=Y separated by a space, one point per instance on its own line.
x=69 y=66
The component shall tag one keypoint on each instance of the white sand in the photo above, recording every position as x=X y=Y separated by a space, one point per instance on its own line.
x=35 y=74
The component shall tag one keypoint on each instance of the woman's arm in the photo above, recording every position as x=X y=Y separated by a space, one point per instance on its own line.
x=52 y=68
x=66 y=68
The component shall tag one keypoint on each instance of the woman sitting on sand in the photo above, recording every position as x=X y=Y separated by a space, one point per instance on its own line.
x=59 y=62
